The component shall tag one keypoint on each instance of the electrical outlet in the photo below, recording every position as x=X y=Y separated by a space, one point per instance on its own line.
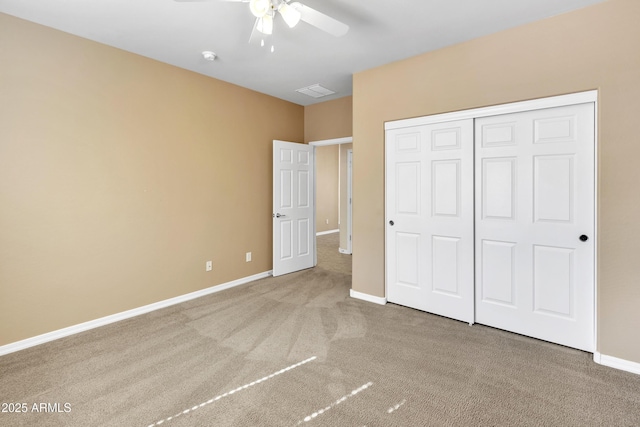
x=248 y=257
x=209 y=266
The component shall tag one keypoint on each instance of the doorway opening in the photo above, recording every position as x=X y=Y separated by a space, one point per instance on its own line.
x=333 y=172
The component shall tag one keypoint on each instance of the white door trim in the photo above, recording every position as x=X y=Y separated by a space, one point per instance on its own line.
x=335 y=141
x=349 y=200
x=535 y=104
x=596 y=180
x=496 y=110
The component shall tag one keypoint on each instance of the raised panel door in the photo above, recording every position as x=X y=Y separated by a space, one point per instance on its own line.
x=293 y=209
x=429 y=214
x=535 y=189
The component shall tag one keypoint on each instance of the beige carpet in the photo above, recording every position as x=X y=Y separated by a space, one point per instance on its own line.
x=296 y=350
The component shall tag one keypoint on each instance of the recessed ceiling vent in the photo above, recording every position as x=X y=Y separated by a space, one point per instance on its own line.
x=315 y=91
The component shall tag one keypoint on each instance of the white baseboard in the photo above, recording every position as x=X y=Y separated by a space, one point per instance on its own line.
x=614 y=362
x=81 y=327
x=344 y=251
x=322 y=233
x=367 y=297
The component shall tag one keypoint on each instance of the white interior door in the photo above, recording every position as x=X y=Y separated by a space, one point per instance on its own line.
x=535 y=190
x=293 y=207
x=429 y=214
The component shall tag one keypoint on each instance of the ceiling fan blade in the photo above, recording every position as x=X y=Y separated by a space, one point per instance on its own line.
x=254 y=32
x=320 y=20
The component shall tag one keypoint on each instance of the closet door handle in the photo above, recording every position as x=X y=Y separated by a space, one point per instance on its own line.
x=391 y=223
x=584 y=238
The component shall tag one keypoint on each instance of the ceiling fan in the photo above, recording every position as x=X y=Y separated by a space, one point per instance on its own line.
x=266 y=11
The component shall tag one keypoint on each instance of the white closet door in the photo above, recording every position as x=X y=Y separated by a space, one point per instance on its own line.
x=535 y=189
x=429 y=214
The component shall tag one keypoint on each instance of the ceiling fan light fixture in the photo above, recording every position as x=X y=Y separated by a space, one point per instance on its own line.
x=259 y=8
x=290 y=15
x=265 y=24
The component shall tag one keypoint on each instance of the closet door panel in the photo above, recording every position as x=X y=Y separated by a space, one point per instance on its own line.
x=429 y=218
x=535 y=188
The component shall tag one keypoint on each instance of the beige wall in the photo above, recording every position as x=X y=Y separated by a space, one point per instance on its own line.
x=120 y=176
x=593 y=48
x=328 y=120
x=327 y=188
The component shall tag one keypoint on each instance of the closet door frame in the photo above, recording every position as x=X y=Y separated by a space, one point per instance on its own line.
x=516 y=107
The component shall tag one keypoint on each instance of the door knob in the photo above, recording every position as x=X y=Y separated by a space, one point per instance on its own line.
x=391 y=223
x=584 y=238
x=280 y=215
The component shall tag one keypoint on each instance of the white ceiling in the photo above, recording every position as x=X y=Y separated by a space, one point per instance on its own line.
x=381 y=31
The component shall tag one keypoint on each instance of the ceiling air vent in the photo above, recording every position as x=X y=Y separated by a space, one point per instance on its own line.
x=315 y=91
